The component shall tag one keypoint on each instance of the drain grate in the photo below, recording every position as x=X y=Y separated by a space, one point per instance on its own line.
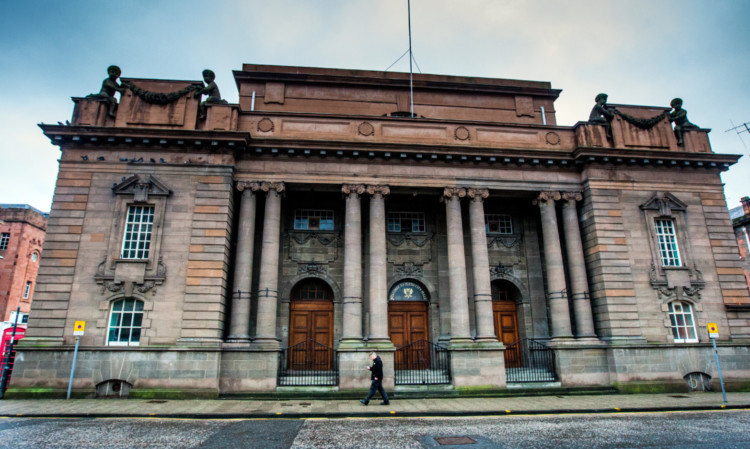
x=453 y=441
x=681 y=396
x=156 y=401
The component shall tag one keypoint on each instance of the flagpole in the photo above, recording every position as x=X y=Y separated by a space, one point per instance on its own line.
x=411 y=72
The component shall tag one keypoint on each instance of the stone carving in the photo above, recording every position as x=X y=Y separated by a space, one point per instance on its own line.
x=501 y=269
x=574 y=196
x=357 y=189
x=265 y=125
x=418 y=240
x=601 y=114
x=375 y=189
x=681 y=123
x=269 y=186
x=450 y=192
x=141 y=187
x=106 y=278
x=324 y=239
x=312 y=268
x=408 y=269
x=212 y=90
x=313 y=247
x=109 y=87
x=366 y=129
x=546 y=196
x=552 y=138
x=665 y=203
x=477 y=194
x=160 y=98
x=462 y=133
x=494 y=241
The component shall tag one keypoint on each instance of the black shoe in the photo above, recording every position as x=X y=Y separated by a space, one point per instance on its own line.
x=364 y=402
x=385 y=403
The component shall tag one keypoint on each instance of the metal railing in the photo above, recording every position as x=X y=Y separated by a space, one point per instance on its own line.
x=422 y=363
x=529 y=361
x=308 y=363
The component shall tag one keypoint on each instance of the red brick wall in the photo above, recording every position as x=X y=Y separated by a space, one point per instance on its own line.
x=27 y=229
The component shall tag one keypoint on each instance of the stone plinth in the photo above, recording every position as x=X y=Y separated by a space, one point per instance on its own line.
x=245 y=371
x=353 y=374
x=478 y=365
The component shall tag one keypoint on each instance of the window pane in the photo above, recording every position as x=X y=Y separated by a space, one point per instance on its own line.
x=135 y=336
x=127 y=318
x=137 y=236
x=137 y=319
x=115 y=319
x=112 y=335
x=124 y=334
x=117 y=305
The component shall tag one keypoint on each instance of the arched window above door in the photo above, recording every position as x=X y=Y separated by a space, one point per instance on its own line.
x=408 y=291
x=312 y=290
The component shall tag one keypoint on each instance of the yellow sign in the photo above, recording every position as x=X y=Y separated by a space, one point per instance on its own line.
x=713 y=330
x=79 y=327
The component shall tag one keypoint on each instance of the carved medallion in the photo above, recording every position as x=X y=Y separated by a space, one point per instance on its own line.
x=552 y=138
x=265 y=125
x=366 y=129
x=462 y=133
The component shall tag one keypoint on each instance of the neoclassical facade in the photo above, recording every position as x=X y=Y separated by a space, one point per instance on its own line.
x=474 y=243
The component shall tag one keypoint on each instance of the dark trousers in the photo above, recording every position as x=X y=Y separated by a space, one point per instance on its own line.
x=376 y=385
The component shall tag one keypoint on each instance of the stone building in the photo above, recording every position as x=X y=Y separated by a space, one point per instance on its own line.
x=473 y=242
x=22 y=231
x=741 y=223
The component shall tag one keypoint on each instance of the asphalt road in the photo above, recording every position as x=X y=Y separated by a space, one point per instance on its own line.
x=715 y=429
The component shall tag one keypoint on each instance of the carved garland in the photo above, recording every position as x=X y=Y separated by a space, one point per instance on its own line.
x=643 y=123
x=160 y=97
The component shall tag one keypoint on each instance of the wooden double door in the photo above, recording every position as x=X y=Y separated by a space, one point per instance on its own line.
x=407 y=326
x=505 y=316
x=311 y=335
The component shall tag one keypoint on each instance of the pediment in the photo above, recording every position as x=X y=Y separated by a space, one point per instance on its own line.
x=665 y=203
x=141 y=187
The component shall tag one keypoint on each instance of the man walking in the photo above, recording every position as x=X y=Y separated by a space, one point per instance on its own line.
x=376 y=374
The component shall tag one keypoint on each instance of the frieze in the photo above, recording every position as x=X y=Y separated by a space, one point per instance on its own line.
x=418 y=240
x=494 y=241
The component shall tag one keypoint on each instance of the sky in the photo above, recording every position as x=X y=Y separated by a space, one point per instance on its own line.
x=642 y=52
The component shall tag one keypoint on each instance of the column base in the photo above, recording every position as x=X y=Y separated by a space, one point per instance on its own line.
x=348 y=344
x=380 y=344
x=266 y=344
x=237 y=343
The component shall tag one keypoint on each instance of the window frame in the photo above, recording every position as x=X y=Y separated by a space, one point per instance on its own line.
x=4 y=240
x=27 y=290
x=130 y=327
x=321 y=216
x=144 y=253
x=399 y=217
x=509 y=224
x=673 y=315
x=34 y=256
x=667 y=244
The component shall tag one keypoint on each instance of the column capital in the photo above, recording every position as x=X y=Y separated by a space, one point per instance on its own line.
x=546 y=196
x=272 y=186
x=357 y=189
x=572 y=196
x=478 y=194
x=383 y=190
x=450 y=192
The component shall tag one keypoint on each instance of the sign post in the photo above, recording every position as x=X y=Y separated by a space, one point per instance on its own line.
x=713 y=334
x=78 y=329
x=6 y=362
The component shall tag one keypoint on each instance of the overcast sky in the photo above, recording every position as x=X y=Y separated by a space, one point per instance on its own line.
x=638 y=51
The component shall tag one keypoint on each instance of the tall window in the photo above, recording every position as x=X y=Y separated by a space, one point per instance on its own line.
x=312 y=290
x=4 y=238
x=138 y=227
x=405 y=222
x=683 y=324
x=34 y=256
x=498 y=224
x=27 y=290
x=313 y=219
x=125 y=322
x=667 y=241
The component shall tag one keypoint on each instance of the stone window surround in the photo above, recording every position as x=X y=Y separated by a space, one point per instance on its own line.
x=666 y=205
x=105 y=307
x=697 y=325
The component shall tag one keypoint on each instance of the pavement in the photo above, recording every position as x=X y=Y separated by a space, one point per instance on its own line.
x=351 y=408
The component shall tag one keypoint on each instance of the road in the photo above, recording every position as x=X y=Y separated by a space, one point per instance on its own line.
x=714 y=429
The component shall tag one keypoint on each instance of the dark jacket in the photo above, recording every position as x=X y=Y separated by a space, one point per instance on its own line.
x=376 y=370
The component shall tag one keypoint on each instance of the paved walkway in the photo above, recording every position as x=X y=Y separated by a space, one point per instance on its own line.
x=249 y=408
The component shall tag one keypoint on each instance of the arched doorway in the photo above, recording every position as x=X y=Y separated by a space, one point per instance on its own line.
x=505 y=316
x=407 y=323
x=311 y=325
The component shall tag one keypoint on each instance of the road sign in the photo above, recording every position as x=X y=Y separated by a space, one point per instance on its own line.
x=713 y=330
x=79 y=327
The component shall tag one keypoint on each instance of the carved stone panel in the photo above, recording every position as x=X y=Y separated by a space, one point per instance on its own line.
x=409 y=248
x=313 y=247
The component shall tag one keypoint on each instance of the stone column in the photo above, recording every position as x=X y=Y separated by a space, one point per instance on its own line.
x=579 y=283
x=269 y=266
x=353 y=264
x=378 y=296
x=457 y=265
x=557 y=295
x=481 y=266
x=239 y=329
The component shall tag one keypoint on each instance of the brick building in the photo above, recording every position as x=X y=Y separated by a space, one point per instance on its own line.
x=474 y=243
x=741 y=222
x=22 y=230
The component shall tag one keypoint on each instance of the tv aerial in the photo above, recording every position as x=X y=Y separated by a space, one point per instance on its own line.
x=739 y=129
